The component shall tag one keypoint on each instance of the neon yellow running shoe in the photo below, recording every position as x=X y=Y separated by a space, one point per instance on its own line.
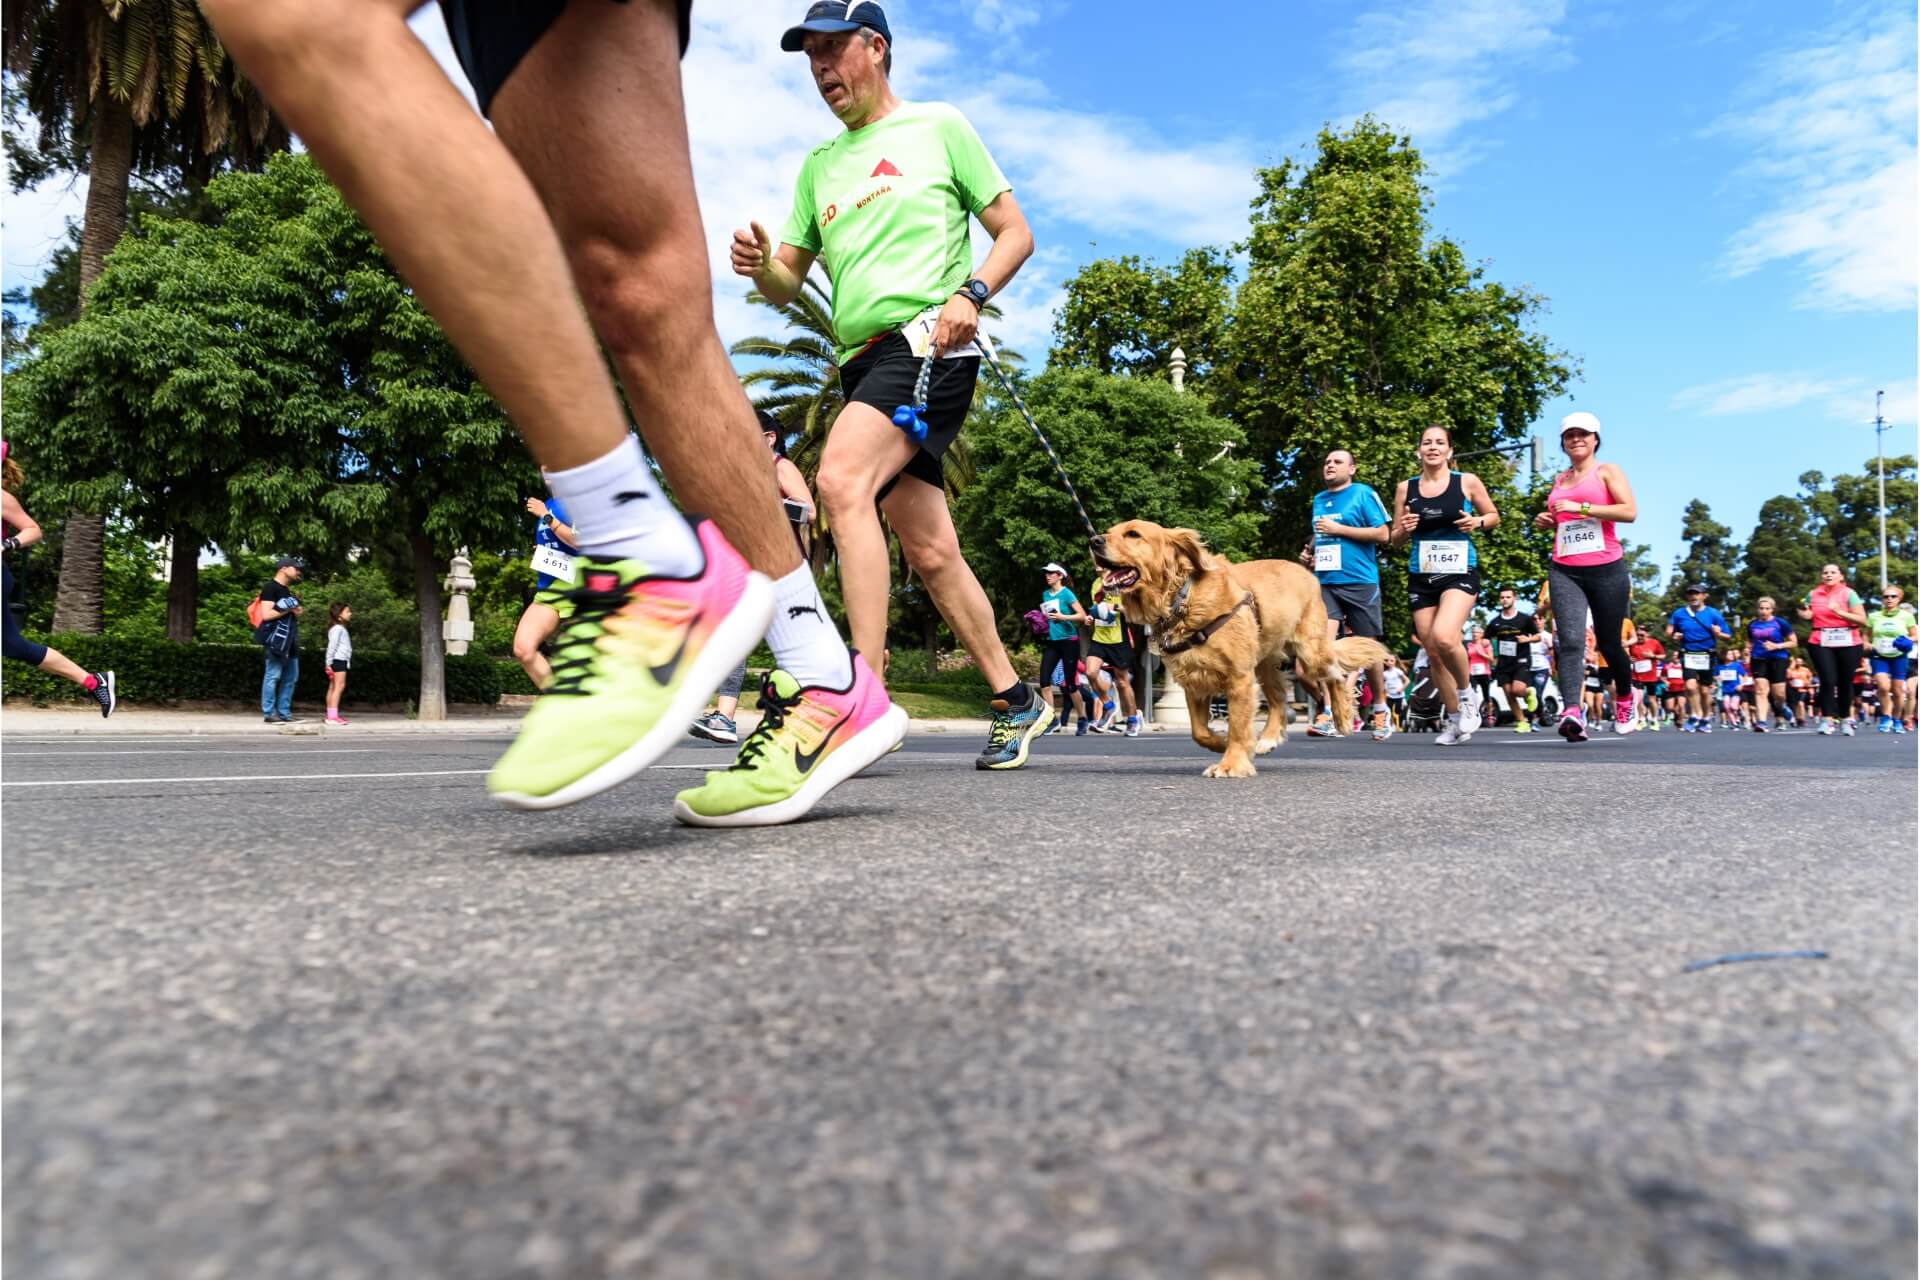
x=808 y=742
x=631 y=668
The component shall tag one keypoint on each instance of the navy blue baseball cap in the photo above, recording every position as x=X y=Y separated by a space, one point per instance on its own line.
x=837 y=15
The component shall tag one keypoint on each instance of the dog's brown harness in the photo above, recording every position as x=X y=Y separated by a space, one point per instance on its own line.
x=1196 y=638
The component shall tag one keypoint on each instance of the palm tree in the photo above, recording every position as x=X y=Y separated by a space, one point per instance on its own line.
x=800 y=382
x=127 y=85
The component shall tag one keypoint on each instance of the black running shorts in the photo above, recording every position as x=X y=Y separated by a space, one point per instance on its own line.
x=491 y=36
x=1772 y=670
x=1425 y=589
x=883 y=375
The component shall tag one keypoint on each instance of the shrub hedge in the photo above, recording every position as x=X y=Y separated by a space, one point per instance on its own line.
x=158 y=671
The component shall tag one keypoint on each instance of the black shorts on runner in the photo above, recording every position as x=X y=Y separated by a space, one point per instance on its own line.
x=491 y=36
x=1773 y=670
x=1355 y=603
x=1703 y=678
x=883 y=376
x=1114 y=655
x=1508 y=671
x=1425 y=589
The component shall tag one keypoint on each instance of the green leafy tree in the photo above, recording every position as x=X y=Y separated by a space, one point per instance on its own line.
x=1354 y=328
x=1855 y=524
x=1128 y=314
x=1783 y=555
x=119 y=87
x=1709 y=558
x=1134 y=447
x=1644 y=574
x=271 y=381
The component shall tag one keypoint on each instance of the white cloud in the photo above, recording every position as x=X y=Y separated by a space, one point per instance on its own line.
x=1832 y=131
x=1838 y=399
x=1432 y=69
x=33 y=223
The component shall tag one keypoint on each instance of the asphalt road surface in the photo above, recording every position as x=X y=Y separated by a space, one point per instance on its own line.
x=303 y=1007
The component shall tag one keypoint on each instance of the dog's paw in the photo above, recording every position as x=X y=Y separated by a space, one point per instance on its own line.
x=1265 y=745
x=1240 y=769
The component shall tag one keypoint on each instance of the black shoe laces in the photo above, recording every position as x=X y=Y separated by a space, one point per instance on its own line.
x=773 y=714
x=574 y=648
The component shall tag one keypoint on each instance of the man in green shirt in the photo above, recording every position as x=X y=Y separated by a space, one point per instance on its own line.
x=885 y=206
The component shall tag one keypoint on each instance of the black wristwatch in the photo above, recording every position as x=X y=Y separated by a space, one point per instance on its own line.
x=975 y=291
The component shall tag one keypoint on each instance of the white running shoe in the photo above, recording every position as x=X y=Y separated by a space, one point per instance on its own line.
x=1449 y=732
x=1469 y=717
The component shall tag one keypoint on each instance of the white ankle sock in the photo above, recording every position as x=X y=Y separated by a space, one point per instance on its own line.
x=620 y=513
x=803 y=638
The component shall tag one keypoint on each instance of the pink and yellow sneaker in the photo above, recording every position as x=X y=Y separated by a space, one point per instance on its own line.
x=632 y=666
x=808 y=742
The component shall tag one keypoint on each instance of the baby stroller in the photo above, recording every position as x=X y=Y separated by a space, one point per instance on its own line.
x=1423 y=706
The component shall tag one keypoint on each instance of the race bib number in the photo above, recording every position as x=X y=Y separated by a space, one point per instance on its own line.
x=1643 y=666
x=1578 y=537
x=1326 y=557
x=1884 y=647
x=1443 y=557
x=1835 y=637
x=1507 y=648
x=1697 y=661
x=553 y=562
x=919 y=335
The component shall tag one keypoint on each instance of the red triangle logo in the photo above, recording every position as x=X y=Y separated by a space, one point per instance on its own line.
x=886 y=167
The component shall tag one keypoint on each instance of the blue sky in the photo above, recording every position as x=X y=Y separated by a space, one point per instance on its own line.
x=1718 y=202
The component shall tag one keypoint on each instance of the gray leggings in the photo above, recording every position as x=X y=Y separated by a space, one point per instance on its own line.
x=730 y=687
x=1605 y=590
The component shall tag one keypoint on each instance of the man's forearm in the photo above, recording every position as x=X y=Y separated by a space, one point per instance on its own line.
x=777 y=284
x=1010 y=250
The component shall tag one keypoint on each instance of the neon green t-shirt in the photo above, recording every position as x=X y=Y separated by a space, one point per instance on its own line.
x=1110 y=631
x=1885 y=628
x=885 y=208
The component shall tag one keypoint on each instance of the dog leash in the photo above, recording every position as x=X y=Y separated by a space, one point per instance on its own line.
x=912 y=419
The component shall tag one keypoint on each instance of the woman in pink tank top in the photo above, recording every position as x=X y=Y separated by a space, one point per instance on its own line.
x=1587 y=579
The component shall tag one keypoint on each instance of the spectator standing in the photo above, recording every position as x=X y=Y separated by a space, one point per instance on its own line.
x=279 y=634
x=339 y=657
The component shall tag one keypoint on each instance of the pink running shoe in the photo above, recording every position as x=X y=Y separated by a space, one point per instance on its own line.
x=808 y=742
x=633 y=664
x=336 y=719
x=1624 y=721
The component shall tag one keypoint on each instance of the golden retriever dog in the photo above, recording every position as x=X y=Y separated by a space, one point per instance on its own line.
x=1220 y=627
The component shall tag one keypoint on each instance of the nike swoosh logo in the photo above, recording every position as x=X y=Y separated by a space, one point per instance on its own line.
x=804 y=761
x=663 y=674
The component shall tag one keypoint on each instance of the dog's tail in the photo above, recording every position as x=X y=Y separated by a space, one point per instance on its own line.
x=1357 y=653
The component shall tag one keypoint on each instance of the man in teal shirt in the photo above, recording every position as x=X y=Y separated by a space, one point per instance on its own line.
x=885 y=205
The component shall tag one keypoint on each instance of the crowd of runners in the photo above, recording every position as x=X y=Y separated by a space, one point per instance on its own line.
x=577 y=188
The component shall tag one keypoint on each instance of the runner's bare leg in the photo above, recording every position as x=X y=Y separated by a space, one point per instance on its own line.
x=448 y=204
x=595 y=115
x=863 y=449
x=920 y=518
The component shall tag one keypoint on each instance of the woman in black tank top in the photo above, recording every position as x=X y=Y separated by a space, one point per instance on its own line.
x=1443 y=579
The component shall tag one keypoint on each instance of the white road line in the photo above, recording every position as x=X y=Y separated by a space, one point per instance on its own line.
x=217 y=751
x=238 y=777
x=274 y=777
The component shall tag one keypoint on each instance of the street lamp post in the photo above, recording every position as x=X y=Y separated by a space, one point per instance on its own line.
x=1880 y=458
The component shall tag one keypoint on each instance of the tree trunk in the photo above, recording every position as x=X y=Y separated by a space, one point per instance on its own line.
x=433 y=645
x=79 y=605
x=183 y=586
